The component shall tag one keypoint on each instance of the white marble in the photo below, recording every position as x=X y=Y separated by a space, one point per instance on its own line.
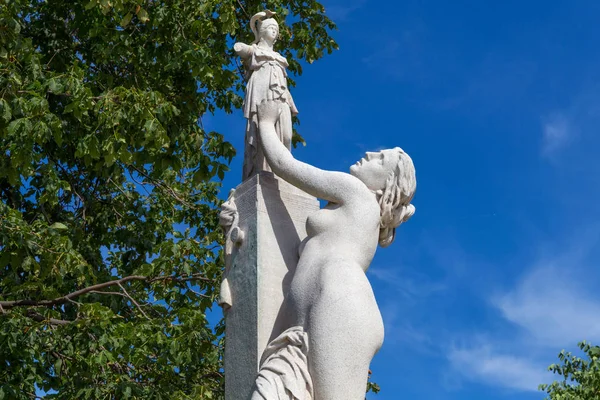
x=264 y=220
x=284 y=368
x=330 y=304
x=266 y=72
x=229 y=220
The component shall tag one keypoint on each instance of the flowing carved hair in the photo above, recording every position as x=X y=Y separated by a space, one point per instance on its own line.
x=395 y=199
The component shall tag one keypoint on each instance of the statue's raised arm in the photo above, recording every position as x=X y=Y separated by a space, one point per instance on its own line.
x=243 y=50
x=266 y=71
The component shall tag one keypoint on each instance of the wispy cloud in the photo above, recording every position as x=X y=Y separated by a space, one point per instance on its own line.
x=341 y=12
x=557 y=131
x=401 y=291
x=386 y=53
x=485 y=364
x=488 y=86
x=399 y=330
x=553 y=306
x=401 y=56
x=410 y=285
x=573 y=127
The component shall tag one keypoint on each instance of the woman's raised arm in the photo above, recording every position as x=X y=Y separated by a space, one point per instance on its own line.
x=332 y=186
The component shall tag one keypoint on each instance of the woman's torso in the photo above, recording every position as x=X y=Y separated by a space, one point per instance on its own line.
x=338 y=249
x=268 y=80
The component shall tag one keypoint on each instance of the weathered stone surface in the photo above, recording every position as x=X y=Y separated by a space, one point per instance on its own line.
x=271 y=217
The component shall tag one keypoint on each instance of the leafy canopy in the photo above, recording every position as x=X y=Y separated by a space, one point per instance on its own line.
x=580 y=376
x=109 y=248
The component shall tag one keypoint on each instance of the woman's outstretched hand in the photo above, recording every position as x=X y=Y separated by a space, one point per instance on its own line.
x=268 y=111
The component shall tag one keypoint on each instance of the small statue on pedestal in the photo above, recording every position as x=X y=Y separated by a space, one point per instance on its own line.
x=267 y=80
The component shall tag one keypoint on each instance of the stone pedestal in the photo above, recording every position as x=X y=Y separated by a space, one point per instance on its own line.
x=272 y=216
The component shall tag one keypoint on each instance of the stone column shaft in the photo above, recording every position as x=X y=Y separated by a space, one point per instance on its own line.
x=272 y=215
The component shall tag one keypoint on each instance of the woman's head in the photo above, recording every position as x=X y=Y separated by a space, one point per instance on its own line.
x=269 y=30
x=390 y=174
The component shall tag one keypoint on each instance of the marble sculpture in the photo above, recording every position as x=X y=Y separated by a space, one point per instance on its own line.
x=331 y=323
x=266 y=72
x=335 y=327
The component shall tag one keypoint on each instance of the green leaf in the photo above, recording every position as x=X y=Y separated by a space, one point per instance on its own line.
x=143 y=16
x=126 y=19
x=5 y=112
x=91 y=4
x=58 y=366
x=21 y=126
x=150 y=125
x=55 y=86
x=57 y=226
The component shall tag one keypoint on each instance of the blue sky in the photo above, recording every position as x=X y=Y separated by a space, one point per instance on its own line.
x=498 y=105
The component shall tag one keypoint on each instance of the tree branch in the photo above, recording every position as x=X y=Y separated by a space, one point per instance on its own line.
x=133 y=301
x=165 y=188
x=69 y=297
x=40 y=318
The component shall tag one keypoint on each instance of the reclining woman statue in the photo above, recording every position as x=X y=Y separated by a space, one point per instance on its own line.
x=335 y=327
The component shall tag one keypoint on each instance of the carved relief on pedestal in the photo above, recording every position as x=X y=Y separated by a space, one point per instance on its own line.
x=234 y=237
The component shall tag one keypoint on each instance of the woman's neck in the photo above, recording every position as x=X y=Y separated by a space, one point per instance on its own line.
x=265 y=45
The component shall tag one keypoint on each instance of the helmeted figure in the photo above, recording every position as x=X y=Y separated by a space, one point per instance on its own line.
x=267 y=80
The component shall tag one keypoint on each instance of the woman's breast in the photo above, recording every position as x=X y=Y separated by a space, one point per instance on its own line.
x=322 y=221
x=331 y=234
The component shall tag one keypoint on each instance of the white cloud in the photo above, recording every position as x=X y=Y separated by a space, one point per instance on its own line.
x=401 y=292
x=409 y=285
x=400 y=331
x=557 y=131
x=483 y=364
x=553 y=308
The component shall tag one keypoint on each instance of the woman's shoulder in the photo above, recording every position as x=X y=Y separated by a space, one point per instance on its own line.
x=356 y=195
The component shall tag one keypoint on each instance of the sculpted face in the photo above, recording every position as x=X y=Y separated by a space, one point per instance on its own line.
x=375 y=168
x=270 y=32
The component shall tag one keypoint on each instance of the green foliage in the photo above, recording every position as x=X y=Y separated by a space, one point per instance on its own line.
x=372 y=386
x=580 y=376
x=109 y=248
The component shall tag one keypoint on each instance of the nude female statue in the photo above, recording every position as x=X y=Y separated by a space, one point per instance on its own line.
x=267 y=80
x=335 y=327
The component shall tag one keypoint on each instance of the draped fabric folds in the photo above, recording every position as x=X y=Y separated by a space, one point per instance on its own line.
x=284 y=372
x=267 y=81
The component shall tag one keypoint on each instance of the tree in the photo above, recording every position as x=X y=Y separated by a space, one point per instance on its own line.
x=580 y=377
x=109 y=248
